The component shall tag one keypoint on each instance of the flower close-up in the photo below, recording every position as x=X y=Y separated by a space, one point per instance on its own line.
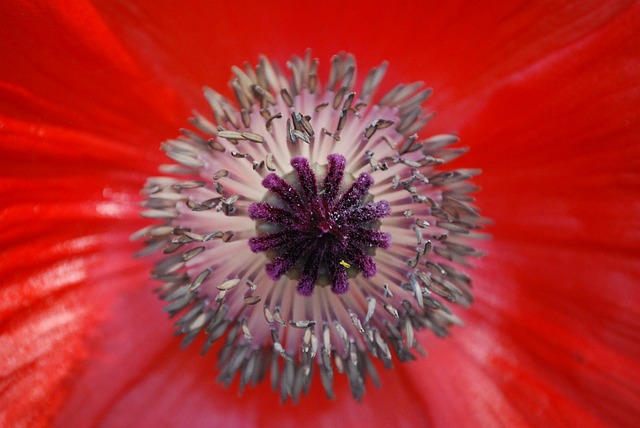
x=239 y=214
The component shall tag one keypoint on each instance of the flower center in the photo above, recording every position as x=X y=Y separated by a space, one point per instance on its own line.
x=319 y=231
x=262 y=256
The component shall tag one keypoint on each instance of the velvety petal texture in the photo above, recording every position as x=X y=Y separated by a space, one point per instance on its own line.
x=545 y=94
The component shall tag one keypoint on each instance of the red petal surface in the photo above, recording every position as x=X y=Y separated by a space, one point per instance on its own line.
x=546 y=94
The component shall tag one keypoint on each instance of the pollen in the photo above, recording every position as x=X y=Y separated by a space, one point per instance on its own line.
x=309 y=228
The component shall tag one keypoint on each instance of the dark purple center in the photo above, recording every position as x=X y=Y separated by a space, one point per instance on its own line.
x=320 y=233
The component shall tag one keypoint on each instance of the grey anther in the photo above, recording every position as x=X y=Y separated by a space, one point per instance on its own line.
x=228 y=284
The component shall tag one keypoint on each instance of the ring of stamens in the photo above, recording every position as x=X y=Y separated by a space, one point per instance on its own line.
x=216 y=287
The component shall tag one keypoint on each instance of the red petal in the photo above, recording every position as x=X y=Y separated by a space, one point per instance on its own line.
x=63 y=65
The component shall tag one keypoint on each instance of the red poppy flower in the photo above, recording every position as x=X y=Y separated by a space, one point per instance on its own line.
x=545 y=95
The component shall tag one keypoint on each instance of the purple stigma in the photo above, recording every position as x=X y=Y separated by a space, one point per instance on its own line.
x=318 y=231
